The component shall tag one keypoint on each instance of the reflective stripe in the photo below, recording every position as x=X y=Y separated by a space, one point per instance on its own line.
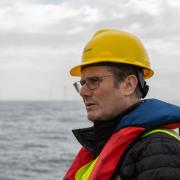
x=173 y=134
x=84 y=172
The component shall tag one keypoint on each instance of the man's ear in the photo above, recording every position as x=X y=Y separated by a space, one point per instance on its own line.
x=130 y=84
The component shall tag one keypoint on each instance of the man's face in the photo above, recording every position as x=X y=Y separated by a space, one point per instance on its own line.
x=107 y=100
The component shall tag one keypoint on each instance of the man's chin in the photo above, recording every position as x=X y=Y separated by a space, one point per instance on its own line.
x=94 y=117
x=91 y=116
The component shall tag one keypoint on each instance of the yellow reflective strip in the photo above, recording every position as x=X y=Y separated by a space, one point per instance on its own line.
x=88 y=172
x=84 y=172
x=81 y=171
x=161 y=130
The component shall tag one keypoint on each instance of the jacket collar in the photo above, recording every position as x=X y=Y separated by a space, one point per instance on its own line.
x=151 y=113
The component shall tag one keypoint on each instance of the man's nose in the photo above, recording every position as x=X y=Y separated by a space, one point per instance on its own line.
x=85 y=91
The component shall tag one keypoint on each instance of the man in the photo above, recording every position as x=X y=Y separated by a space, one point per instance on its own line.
x=131 y=138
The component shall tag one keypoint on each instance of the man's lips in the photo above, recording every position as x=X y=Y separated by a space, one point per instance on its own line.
x=89 y=105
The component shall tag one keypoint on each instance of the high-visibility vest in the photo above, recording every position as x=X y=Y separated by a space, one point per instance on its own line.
x=84 y=172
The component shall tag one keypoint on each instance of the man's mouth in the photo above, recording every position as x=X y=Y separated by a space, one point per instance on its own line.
x=89 y=105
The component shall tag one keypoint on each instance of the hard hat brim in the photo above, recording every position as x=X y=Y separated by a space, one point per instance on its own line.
x=76 y=70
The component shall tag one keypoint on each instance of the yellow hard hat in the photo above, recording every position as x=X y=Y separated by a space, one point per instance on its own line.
x=114 y=46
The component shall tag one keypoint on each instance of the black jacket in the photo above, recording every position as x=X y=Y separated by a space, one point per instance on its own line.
x=155 y=157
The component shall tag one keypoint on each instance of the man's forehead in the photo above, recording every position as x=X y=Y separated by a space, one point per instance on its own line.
x=94 y=70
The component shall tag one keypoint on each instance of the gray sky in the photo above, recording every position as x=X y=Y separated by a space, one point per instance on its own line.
x=41 y=39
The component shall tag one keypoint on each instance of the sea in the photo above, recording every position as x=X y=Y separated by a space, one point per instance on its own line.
x=36 y=140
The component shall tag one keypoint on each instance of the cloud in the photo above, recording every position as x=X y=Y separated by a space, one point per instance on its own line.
x=44 y=38
x=28 y=17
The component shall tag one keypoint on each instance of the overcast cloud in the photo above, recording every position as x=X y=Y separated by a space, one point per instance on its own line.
x=41 y=39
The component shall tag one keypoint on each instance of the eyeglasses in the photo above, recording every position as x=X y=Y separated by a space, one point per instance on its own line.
x=91 y=82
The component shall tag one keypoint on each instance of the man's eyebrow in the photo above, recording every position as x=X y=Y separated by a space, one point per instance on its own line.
x=93 y=76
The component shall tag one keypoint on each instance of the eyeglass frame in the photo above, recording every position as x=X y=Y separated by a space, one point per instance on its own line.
x=79 y=84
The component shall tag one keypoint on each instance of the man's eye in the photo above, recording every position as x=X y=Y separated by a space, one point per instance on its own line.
x=82 y=82
x=93 y=80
